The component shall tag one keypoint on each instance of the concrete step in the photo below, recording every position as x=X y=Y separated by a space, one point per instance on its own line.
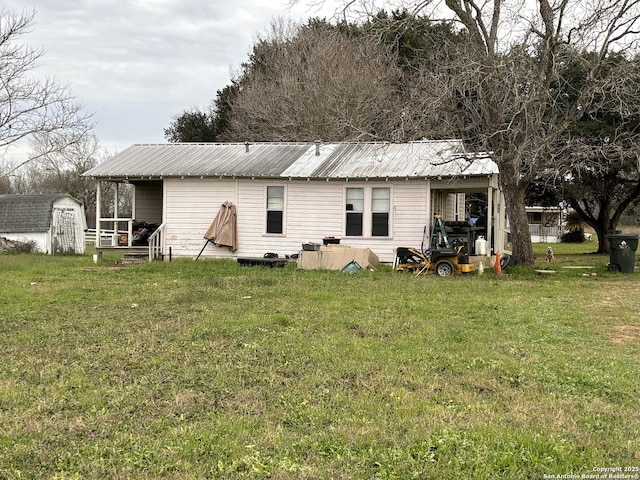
x=132 y=258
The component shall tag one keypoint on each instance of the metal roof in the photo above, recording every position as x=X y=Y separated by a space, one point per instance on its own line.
x=26 y=213
x=296 y=160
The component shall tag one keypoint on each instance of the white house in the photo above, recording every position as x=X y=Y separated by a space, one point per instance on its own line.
x=374 y=195
x=545 y=224
x=55 y=223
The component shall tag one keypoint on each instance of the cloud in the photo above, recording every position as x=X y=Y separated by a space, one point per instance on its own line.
x=139 y=63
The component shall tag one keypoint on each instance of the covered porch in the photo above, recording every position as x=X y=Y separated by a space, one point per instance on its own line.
x=472 y=209
x=129 y=217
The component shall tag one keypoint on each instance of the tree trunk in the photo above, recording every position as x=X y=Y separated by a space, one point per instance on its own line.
x=603 y=241
x=602 y=224
x=520 y=237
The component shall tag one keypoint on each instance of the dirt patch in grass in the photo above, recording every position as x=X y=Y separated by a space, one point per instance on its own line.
x=625 y=333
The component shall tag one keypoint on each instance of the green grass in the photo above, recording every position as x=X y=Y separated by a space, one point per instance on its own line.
x=210 y=370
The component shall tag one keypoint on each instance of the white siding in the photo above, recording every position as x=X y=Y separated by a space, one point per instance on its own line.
x=313 y=210
x=68 y=225
x=407 y=218
x=41 y=239
x=316 y=212
x=190 y=207
x=410 y=214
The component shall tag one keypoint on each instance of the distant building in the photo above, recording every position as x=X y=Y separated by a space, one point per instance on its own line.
x=545 y=224
x=55 y=223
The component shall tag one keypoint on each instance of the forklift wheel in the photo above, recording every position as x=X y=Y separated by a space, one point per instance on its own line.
x=444 y=268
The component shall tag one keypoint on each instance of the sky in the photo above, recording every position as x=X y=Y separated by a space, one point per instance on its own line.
x=137 y=64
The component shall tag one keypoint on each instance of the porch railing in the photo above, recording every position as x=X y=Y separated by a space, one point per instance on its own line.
x=537 y=230
x=110 y=236
x=155 y=243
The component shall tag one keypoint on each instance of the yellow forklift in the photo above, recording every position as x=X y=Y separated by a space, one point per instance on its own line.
x=441 y=258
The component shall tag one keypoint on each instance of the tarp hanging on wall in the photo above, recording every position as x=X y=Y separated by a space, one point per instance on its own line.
x=224 y=231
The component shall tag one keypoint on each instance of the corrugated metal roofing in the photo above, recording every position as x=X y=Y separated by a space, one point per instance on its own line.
x=296 y=160
x=26 y=213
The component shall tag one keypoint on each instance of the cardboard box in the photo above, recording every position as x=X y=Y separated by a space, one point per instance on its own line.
x=336 y=257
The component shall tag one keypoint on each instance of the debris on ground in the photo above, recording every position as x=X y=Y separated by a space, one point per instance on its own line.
x=544 y=272
x=7 y=245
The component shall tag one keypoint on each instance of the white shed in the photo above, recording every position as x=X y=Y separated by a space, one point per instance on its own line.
x=55 y=223
x=369 y=195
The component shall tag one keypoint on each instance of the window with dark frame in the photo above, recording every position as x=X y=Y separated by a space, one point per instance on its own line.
x=275 y=209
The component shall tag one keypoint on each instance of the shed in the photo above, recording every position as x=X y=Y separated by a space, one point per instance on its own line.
x=374 y=195
x=55 y=223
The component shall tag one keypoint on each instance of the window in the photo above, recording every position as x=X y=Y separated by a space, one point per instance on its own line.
x=534 y=217
x=355 y=211
x=275 y=209
x=367 y=212
x=380 y=206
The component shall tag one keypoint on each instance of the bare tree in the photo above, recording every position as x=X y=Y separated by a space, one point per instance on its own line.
x=28 y=106
x=61 y=171
x=316 y=83
x=503 y=91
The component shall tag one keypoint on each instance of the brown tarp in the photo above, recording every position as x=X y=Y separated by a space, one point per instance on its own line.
x=223 y=231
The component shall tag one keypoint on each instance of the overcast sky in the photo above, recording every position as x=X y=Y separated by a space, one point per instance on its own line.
x=136 y=64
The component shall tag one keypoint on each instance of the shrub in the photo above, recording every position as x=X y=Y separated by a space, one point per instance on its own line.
x=573 y=222
x=573 y=236
x=17 y=246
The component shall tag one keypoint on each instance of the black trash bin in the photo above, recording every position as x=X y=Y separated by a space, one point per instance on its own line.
x=622 y=252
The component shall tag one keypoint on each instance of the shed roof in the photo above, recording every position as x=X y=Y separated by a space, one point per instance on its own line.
x=420 y=159
x=27 y=213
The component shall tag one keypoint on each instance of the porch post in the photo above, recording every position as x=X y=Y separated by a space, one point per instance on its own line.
x=490 y=235
x=133 y=201
x=115 y=206
x=132 y=189
x=429 y=214
x=98 y=211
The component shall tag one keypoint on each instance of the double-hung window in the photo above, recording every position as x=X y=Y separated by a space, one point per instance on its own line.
x=380 y=207
x=355 y=212
x=367 y=211
x=275 y=210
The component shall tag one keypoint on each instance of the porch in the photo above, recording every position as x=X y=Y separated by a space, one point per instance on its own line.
x=128 y=234
x=109 y=243
x=545 y=234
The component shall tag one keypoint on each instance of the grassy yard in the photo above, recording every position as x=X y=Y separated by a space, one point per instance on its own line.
x=206 y=369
